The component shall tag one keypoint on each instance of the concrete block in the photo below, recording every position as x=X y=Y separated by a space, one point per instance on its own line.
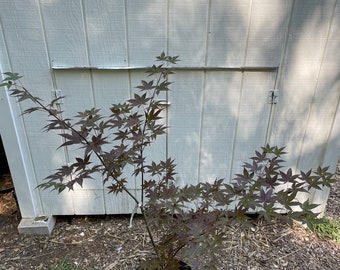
x=38 y=225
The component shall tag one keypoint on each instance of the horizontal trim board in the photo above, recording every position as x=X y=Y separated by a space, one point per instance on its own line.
x=247 y=68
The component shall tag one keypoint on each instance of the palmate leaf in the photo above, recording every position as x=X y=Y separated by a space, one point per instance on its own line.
x=60 y=187
x=10 y=79
x=22 y=95
x=70 y=139
x=139 y=101
x=121 y=135
x=116 y=188
x=146 y=86
x=288 y=177
x=260 y=157
x=155 y=70
x=161 y=57
x=88 y=113
x=57 y=124
x=12 y=76
x=81 y=164
x=265 y=196
x=153 y=114
x=118 y=109
x=163 y=86
x=133 y=120
x=97 y=142
x=56 y=101
x=32 y=109
x=245 y=177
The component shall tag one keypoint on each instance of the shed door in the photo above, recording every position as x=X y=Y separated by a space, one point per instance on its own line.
x=85 y=89
x=216 y=118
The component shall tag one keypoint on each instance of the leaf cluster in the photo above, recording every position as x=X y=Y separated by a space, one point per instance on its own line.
x=195 y=216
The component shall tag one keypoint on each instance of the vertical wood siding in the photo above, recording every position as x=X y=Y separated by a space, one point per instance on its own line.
x=218 y=116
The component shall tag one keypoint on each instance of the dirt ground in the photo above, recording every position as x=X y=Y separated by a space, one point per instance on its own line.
x=106 y=242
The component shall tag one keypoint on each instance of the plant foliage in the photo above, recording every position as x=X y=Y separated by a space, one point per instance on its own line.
x=328 y=228
x=186 y=221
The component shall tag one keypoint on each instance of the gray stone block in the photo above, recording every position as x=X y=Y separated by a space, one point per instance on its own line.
x=38 y=225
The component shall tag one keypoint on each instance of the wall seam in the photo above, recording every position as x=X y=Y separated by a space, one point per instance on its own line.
x=203 y=92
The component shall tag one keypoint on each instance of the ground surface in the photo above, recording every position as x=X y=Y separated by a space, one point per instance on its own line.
x=107 y=243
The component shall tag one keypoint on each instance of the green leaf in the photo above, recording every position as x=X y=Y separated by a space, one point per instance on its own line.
x=12 y=76
x=161 y=57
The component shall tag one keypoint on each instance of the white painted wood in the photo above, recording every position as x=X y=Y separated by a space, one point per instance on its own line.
x=77 y=88
x=146 y=34
x=106 y=32
x=185 y=124
x=221 y=98
x=89 y=201
x=121 y=203
x=267 y=30
x=300 y=73
x=27 y=53
x=325 y=103
x=188 y=31
x=112 y=87
x=65 y=32
x=16 y=149
x=227 y=34
x=329 y=96
x=252 y=117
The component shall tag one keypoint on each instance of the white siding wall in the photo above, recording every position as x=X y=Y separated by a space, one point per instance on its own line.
x=217 y=117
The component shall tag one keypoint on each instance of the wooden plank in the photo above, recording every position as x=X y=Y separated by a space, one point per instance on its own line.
x=325 y=102
x=17 y=152
x=111 y=87
x=188 y=31
x=146 y=31
x=28 y=56
x=252 y=118
x=308 y=33
x=185 y=124
x=121 y=203
x=77 y=87
x=105 y=25
x=267 y=30
x=65 y=32
x=88 y=202
x=228 y=32
x=221 y=100
x=329 y=80
x=328 y=95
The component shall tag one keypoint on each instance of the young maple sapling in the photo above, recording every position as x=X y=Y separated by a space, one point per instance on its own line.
x=177 y=227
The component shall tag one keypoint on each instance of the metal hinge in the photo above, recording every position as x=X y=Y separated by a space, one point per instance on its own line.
x=273 y=96
x=163 y=102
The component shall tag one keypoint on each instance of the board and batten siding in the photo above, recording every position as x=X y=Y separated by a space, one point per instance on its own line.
x=232 y=54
